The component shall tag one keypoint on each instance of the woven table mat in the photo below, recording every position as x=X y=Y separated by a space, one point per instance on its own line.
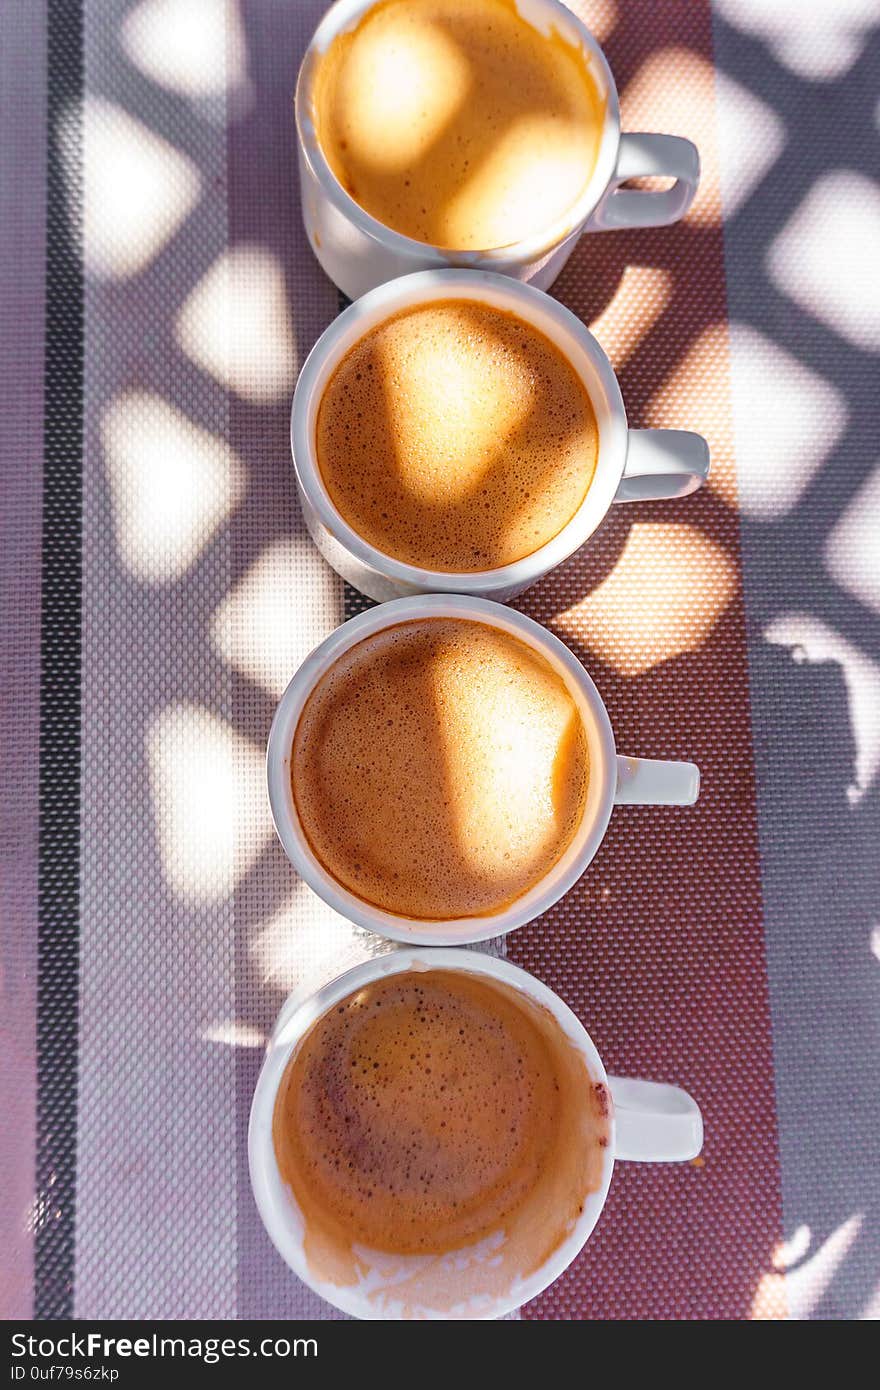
x=158 y=297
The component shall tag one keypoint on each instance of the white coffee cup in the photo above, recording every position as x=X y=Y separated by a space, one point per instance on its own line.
x=358 y=252
x=614 y=779
x=632 y=465
x=648 y=1122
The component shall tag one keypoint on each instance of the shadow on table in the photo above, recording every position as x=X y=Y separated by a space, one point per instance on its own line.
x=811 y=854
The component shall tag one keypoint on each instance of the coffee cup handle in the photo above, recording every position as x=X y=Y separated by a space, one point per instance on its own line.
x=662 y=464
x=654 y=1123
x=654 y=782
x=644 y=156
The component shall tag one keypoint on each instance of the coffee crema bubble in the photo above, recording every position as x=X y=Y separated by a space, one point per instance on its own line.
x=456 y=437
x=440 y=768
x=432 y=1109
x=456 y=123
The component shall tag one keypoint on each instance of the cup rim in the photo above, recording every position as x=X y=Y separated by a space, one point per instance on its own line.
x=562 y=875
x=274 y=1199
x=344 y=14
x=548 y=316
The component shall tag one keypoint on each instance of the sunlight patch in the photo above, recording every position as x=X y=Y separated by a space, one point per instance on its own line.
x=816 y=40
x=194 y=47
x=264 y=628
x=687 y=95
x=677 y=87
x=172 y=485
x=787 y=420
x=234 y=1033
x=305 y=943
x=236 y=325
x=209 y=801
x=698 y=392
x=751 y=138
x=600 y=16
x=641 y=296
x=796 y=1292
x=663 y=597
x=138 y=190
x=825 y=254
x=852 y=551
x=389 y=85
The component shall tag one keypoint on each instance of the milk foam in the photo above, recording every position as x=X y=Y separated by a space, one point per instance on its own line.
x=456 y=437
x=456 y=123
x=440 y=768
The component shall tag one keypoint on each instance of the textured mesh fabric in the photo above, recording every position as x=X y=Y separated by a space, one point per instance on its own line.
x=160 y=299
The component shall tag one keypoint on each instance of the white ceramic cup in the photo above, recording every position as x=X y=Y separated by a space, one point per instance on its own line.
x=358 y=252
x=632 y=465
x=649 y=1122
x=614 y=779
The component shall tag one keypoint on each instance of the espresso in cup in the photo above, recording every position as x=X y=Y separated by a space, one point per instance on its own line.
x=456 y=123
x=439 y=769
x=442 y=768
x=431 y=1110
x=455 y=436
x=433 y=1135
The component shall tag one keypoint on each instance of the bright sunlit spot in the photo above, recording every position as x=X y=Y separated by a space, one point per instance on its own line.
x=600 y=16
x=234 y=1033
x=686 y=94
x=811 y=37
x=236 y=325
x=530 y=193
x=209 y=801
x=825 y=255
x=281 y=945
x=443 y=416
x=871 y=1310
x=501 y=755
x=778 y=449
x=172 y=485
x=641 y=296
x=793 y=1250
x=664 y=596
x=402 y=97
x=751 y=138
x=138 y=191
x=811 y=640
x=699 y=386
x=852 y=552
x=194 y=47
x=305 y=943
x=796 y=1292
x=267 y=625
x=675 y=88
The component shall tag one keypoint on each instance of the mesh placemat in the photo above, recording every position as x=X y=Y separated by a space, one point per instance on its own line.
x=159 y=298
